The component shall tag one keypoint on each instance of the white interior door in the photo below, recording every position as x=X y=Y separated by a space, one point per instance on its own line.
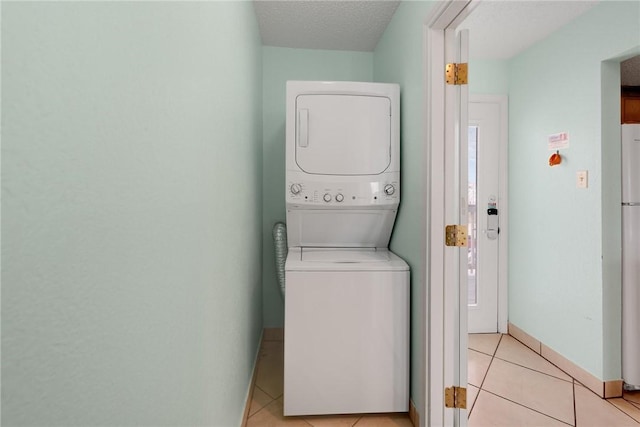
x=486 y=210
x=446 y=299
x=460 y=158
x=455 y=206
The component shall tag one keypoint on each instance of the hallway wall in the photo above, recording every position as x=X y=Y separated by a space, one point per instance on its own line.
x=564 y=286
x=131 y=212
x=489 y=76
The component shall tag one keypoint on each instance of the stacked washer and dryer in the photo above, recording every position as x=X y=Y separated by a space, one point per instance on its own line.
x=347 y=295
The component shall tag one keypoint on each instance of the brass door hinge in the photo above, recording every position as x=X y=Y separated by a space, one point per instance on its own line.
x=455 y=235
x=455 y=397
x=456 y=74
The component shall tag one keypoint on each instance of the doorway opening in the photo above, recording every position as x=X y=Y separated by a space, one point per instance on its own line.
x=487 y=214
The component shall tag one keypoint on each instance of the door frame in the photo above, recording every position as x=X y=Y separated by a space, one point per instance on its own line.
x=442 y=335
x=503 y=193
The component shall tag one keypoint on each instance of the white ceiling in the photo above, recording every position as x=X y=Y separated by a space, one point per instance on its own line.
x=324 y=24
x=499 y=28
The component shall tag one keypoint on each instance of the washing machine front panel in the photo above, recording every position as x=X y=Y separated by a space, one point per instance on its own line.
x=346 y=342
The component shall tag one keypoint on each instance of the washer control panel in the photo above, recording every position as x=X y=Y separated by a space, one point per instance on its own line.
x=343 y=193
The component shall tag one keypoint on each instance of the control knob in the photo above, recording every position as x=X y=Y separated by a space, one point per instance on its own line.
x=296 y=188
x=326 y=197
x=339 y=197
x=389 y=189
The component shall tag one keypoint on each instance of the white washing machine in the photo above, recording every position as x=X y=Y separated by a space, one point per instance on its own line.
x=347 y=295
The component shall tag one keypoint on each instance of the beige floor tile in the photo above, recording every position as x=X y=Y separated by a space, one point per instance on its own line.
x=259 y=400
x=540 y=392
x=626 y=407
x=333 y=421
x=592 y=411
x=493 y=411
x=477 y=365
x=514 y=351
x=472 y=394
x=632 y=396
x=273 y=334
x=484 y=343
x=384 y=420
x=270 y=375
x=272 y=416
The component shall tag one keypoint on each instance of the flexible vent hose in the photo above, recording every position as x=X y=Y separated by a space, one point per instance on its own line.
x=280 y=244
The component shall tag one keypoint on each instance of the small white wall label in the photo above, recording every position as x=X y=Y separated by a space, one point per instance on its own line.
x=558 y=141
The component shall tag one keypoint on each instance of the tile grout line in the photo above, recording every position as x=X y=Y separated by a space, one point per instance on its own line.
x=485 y=375
x=637 y=420
x=266 y=404
x=637 y=405
x=526 y=407
x=501 y=397
x=540 y=372
x=268 y=394
x=607 y=401
x=620 y=409
x=539 y=354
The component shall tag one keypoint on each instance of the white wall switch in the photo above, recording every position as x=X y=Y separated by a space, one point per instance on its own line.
x=582 y=179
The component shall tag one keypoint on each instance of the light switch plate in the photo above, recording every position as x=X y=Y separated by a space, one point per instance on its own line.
x=582 y=179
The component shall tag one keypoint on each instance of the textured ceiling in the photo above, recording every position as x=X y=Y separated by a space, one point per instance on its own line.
x=630 y=72
x=500 y=29
x=336 y=25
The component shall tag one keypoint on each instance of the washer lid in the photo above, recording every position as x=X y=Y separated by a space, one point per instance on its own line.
x=344 y=255
x=341 y=259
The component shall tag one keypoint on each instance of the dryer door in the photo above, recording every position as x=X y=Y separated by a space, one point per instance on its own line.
x=343 y=134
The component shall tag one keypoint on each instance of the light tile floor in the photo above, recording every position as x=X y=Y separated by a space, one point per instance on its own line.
x=509 y=385
x=266 y=409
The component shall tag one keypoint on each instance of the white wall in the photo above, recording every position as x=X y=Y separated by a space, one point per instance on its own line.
x=131 y=212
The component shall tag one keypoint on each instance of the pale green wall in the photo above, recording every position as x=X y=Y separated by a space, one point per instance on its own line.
x=488 y=76
x=131 y=212
x=280 y=65
x=559 y=291
x=398 y=58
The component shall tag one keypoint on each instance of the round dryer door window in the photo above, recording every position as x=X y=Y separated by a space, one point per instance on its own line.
x=343 y=134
